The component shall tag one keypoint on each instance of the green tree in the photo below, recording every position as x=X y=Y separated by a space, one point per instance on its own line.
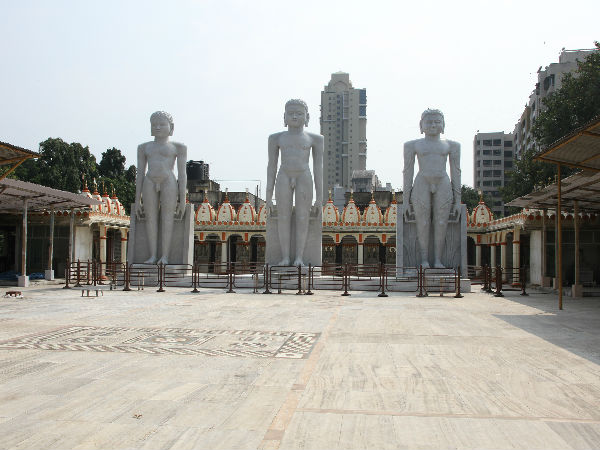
x=470 y=197
x=112 y=164
x=566 y=109
x=61 y=166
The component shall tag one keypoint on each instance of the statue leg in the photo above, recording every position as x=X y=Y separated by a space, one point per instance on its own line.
x=304 y=191
x=442 y=202
x=150 y=199
x=283 y=197
x=168 y=201
x=421 y=200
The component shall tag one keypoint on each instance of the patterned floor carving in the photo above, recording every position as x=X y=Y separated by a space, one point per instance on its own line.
x=171 y=341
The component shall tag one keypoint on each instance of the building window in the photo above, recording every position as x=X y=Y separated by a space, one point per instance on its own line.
x=497 y=183
x=497 y=152
x=487 y=152
x=487 y=183
x=497 y=173
x=508 y=143
x=478 y=142
x=508 y=153
x=497 y=162
x=497 y=142
x=487 y=173
x=507 y=163
x=487 y=162
x=487 y=142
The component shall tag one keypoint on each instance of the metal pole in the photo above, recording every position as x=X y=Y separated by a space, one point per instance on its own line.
x=458 y=294
x=498 y=282
x=24 y=240
x=559 y=242
x=51 y=245
x=299 y=280
x=71 y=237
x=523 y=278
x=267 y=279
x=310 y=278
x=382 y=280
x=127 y=277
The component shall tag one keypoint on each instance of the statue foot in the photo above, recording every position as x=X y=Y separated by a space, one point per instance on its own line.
x=438 y=265
x=425 y=265
x=298 y=262
x=284 y=262
x=163 y=260
x=151 y=260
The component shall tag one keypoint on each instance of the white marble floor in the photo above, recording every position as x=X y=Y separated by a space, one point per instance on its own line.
x=214 y=370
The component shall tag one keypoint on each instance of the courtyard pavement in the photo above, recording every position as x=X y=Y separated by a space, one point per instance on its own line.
x=177 y=370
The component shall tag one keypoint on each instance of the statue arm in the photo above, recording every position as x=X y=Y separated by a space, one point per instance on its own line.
x=181 y=173
x=317 y=150
x=455 y=173
x=408 y=172
x=272 y=167
x=141 y=171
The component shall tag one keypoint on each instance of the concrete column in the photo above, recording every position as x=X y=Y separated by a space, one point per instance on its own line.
x=361 y=254
x=493 y=255
x=545 y=279
x=503 y=259
x=123 y=245
x=516 y=254
x=49 y=273
x=478 y=255
x=223 y=252
x=103 y=230
x=23 y=279
x=72 y=235
x=577 y=288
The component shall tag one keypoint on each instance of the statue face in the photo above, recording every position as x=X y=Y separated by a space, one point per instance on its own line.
x=160 y=127
x=432 y=124
x=295 y=116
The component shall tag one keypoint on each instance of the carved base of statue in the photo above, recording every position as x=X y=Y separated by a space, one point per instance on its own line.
x=312 y=249
x=182 y=239
x=454 y=254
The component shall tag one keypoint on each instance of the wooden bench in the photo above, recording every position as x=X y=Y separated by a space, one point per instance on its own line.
x=13 y=293
x=97 y=288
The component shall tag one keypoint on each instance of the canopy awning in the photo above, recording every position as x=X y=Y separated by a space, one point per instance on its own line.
x=580 y=149
x=11 y=154
x=39 y=198
x=582 y=187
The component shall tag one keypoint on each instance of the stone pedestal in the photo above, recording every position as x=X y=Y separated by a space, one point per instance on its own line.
x=49 y=275
x=455 y=250
x=182 y=239
x=23 y=280
x=312 y=249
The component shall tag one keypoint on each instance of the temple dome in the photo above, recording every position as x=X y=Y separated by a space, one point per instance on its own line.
x=262 y=214
x=351 y=212
x=482 y=215
x=246 y=213
x=205 y=212
x=226 y=212
x=391 y=214
x=372 y=214
x=330 y=212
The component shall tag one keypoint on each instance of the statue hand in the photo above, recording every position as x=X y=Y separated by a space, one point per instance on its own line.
x=456 y=207
x=178 y=211
x=408 y=210
x=139 y=211
x=269 y=206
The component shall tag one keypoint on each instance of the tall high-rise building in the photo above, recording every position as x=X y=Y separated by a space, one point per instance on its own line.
x=493 y=155
x=344 y=127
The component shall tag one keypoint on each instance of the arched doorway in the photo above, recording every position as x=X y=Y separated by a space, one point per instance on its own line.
x=328 y=250
x=372 y=250
x=349 y=250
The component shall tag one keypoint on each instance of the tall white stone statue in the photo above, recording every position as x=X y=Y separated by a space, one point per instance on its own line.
x=294 y=231
x=160 y=200
x=432 y=198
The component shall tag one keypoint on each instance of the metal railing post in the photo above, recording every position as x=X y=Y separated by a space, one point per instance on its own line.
x=267 y=279
x=458 y=294
x=127 y=287
x=346 y=281
x=382 y=280
x=420 y=276
x=160 y=278
x=195 y=275
x=299 y=280
x=310 y=279
x=498 y=282
x=230 y=278
x=67 y=275
x=523 y=280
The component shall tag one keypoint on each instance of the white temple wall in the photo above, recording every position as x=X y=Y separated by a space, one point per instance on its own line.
x=535 y=257
x=84 y=238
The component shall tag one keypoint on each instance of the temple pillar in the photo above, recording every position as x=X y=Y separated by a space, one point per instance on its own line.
x=360 y=254
x=49 y=273
x=503 y=259
x=493 y=254
x=546 y=280
x=516 y=254
x=577 y=288
x=102 y=255
x=23 y=279
x=123 y=245
x=224 y=252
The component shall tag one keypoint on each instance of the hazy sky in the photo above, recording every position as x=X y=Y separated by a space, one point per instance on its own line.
x=93 y=72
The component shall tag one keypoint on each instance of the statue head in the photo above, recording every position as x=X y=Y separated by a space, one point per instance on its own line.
x=298 y=106
x=162 y=116
x=432 y=113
